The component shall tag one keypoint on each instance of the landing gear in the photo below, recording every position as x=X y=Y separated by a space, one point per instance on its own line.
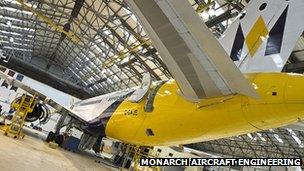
x=58 y=138
x=87 y=141
x=50 y=137
x=97 y=145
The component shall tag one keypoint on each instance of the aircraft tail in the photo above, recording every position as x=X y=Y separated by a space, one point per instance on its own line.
x=263 y=36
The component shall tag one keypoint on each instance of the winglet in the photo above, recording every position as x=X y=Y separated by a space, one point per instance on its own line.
x=143 y=90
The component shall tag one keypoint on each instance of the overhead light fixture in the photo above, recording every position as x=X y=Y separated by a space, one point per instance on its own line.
x=9 y=23
x=205 y=16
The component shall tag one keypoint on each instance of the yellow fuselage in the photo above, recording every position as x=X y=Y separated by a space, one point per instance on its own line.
x=175 y=120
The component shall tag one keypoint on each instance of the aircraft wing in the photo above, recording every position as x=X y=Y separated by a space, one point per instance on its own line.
x=60 y=108
x=194 y=57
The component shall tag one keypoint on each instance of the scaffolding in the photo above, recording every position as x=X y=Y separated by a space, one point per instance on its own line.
x=134 y=153
x=23 y=106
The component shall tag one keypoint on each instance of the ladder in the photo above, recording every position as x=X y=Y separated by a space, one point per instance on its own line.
x=136 y=152
x=23 y=106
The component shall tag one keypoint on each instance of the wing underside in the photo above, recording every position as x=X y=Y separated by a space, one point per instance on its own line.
x=193 y=55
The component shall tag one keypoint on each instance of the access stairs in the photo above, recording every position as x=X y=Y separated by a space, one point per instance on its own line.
x=22 y=106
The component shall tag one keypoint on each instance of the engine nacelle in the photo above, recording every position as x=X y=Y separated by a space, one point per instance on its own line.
x=40 y=111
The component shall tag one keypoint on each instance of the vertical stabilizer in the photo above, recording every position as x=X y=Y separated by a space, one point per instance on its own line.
x=263 y=36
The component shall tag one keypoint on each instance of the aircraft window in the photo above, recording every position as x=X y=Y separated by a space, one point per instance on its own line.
x=159 y=150
x=149 y=132
x=152 y=93
x=170 y=154
x=263 y=6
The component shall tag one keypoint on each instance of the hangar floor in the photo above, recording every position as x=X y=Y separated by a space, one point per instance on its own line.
x=33 y=154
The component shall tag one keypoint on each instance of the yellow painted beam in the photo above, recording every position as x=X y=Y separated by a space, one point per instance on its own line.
x=202 y=7
x=121 y=54
x=50 y=22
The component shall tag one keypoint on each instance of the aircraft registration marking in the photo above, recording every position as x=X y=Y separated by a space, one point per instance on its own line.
x=131 y=112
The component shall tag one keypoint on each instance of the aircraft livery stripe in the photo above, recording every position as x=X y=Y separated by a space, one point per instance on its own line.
x=274 y=43
x=4 y=84
x=237 y=44
x=19 y=78
x=98 y=125
x=253 y=38
x=112 y=108
x=10 y=73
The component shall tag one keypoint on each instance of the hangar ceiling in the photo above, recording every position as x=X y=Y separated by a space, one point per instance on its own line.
x=87 y=47
x=276 y=143
x=91 y=47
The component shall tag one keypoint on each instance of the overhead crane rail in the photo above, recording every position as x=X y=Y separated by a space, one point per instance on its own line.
x=202 y=6
x=122 y=54
x=50 y=22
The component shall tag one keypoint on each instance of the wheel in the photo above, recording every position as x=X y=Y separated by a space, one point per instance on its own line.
x=59 y=139
x=51 y=136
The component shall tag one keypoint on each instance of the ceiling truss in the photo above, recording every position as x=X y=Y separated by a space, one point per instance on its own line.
x=108 y=31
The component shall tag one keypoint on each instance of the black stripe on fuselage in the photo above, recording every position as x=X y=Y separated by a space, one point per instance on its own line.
x=274 y=42
x=238 y=44
x=98 y=125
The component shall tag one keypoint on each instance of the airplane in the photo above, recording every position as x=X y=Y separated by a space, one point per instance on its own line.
x=210 y=97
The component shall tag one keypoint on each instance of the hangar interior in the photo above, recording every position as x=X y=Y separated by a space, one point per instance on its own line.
x=87 y=48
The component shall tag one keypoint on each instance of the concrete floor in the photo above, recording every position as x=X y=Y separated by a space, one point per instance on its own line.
x=33 y=154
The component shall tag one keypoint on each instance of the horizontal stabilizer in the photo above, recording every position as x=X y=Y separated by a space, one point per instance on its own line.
x=195 y=58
